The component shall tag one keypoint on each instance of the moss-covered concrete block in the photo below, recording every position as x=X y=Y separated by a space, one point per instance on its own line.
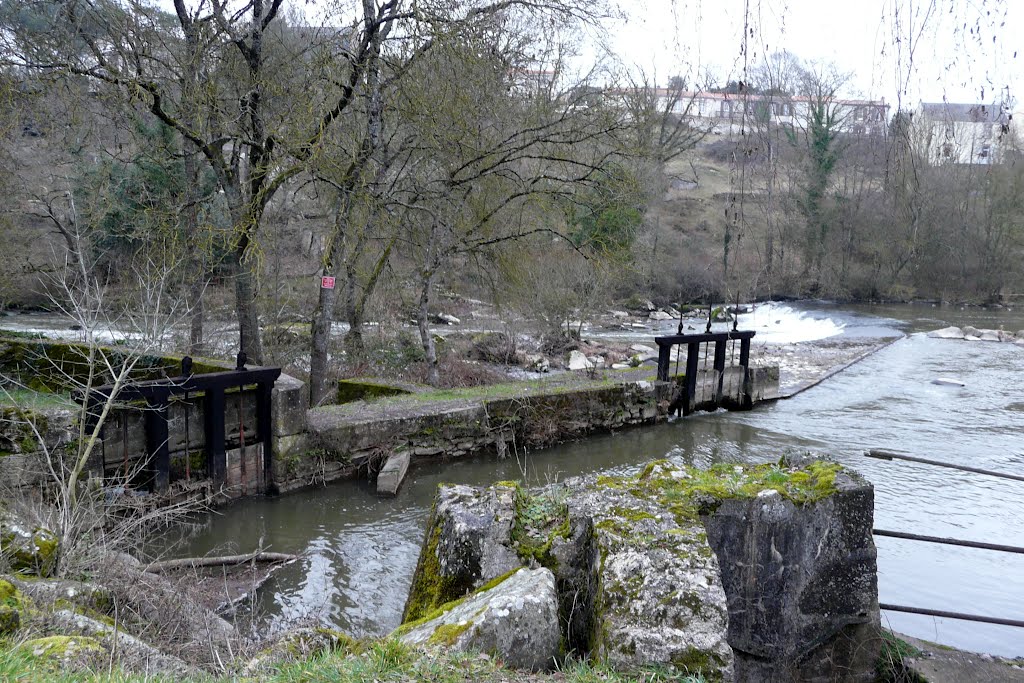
x=367 y=389
x=469 y=542
x=665 y=568
x=66 y=652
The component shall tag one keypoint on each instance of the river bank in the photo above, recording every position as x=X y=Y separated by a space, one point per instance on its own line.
x=355 y=547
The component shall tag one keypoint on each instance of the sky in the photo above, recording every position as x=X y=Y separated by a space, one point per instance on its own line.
x=903 y=50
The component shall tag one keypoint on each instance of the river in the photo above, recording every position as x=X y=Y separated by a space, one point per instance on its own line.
x=359 y=551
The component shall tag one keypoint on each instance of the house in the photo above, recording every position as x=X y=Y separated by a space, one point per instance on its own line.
x=531 y=82
x=954 y=133
x=728 y=113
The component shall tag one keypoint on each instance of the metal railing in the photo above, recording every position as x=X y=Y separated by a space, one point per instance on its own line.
x=998 y=547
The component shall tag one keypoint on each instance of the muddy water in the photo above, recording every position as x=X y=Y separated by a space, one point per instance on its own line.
x=360 y=550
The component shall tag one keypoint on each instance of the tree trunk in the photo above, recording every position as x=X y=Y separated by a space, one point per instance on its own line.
x=423 y=322
x=195 y=333
x=222 y=561
x=245 y=305
x=320 y=343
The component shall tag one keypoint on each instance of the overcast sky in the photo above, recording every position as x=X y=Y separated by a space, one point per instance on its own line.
x=962 y=50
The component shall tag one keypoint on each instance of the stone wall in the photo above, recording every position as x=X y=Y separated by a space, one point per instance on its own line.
x=333 y=442
x=344 y=438
x=341 y=440
x=49 y=366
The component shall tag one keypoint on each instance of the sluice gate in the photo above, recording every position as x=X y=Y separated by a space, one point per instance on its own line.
x=726 y=384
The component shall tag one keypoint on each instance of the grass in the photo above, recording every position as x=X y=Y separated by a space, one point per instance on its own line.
x=890 y=668
x=556 y=385
x=385 y=660
x=35 y=400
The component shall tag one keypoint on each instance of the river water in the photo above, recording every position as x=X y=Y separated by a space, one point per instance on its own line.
x=359 y=551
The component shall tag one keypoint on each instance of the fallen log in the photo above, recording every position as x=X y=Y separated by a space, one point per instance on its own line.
x=221 y=561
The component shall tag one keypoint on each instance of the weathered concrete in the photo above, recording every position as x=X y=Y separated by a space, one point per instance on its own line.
x=356 y=434
x=515 y=620
x=660 y=599
x=802 y=584
x=390 y=477
x=766 y=572
x=469 y=542
x=289 y=403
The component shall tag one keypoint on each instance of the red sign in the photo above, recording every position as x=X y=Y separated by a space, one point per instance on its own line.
x=327 y=282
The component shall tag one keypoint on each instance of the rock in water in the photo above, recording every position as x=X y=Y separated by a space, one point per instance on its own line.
x=579 y=361
x=947 y=333
x=516 y=620
x=390 y=477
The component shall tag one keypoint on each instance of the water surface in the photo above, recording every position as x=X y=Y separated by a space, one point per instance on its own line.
x=360 y=550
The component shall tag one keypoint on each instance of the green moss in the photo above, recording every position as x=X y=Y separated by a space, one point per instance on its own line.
x=46 y=551
x=350 y=390
x=496 y=581
x=700 y=662
x=447 y=634
x=539 y=520
x=36 y=555
x=431 y=589
x=631 y=514
x=56 y=367
x=62 y=648
x=441 y=610
x=690 y=492
x=12 y=604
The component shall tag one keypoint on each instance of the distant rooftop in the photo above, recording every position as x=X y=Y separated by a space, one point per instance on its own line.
x=974 y=113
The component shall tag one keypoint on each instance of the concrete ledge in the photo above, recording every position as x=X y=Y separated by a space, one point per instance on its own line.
x=290 y=400
x=390 y=477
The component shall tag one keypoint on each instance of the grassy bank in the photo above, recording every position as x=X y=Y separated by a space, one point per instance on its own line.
x=386 y=660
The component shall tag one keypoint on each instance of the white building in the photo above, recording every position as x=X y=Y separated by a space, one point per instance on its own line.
x=728 y=112
x=962 y=133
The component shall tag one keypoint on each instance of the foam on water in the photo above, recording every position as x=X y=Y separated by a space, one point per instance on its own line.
x=782 y=324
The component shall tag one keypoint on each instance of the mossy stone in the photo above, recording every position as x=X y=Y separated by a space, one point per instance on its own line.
x=34 y=554
x=350 y=390
x=64 y=650
x=12 y=604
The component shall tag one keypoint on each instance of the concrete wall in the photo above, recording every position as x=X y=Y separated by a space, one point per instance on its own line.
x=343 y=439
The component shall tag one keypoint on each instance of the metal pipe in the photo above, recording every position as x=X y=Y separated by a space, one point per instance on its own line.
x=949 y=541
x=886 y=455
x=952 y=615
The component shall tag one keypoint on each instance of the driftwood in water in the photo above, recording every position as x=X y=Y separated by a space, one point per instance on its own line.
x=222 y=561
